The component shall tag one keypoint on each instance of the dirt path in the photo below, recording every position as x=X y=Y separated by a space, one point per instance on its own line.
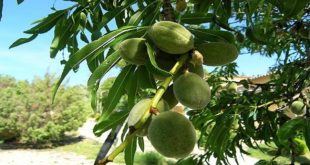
x=49 y=156
x=41 y=157
x=54 y=157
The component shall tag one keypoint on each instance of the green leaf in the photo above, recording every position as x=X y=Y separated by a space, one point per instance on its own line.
x=131 y=89
x=197 y=18
x=106 y=123
x=108 y=16
x=202 y=35
x=293 y=7
x=99 y=72
x=141 y=143
x=219 y=136
x=152 y=65
x=138 y=16
x=124 y=132
x=84 y=37
x=94 y=61
x=253 y=5
x=223 y=23
x=1 y=8
x=20 y=1
x=63 y=30
x=203 y=5
x=83 y=20
x=121 y=18
x=307 y=133
x=145 y=78
x=117 y=89
x=152 y=15
x=47 y=23
x=188 y=161
x=23 y=40
x=92 y=49
x=288 y=129
x=130 y=151
x=135 y=32
x=226 y=9
x=266 y=162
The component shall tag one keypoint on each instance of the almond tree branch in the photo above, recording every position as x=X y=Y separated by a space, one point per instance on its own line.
x=162 y=88
x=168 y=12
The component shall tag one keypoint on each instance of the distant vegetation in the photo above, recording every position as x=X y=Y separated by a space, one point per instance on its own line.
x=27 y=114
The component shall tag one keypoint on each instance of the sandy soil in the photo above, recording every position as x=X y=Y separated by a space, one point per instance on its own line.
x=41 y=157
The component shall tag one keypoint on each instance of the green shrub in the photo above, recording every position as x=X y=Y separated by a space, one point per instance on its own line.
x=28 y=115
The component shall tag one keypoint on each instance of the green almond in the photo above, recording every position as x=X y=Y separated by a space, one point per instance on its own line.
x=171 y=37
x=218 y=53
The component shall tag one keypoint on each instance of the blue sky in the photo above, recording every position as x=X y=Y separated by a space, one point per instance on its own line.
x=32 y=59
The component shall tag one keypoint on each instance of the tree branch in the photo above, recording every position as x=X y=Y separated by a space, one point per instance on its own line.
x=107 y=144
x=168 y=12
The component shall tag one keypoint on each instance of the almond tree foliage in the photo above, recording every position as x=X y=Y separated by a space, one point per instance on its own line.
x=231 y=119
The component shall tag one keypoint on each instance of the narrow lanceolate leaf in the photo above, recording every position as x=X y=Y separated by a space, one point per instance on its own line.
x=47 y=23
x=293 y=7
x=145 y=78
x=197 y=18
x=117 y=89
x=130 y=151
x=219 y=136
x=63 y=30
x=152 y=15
x=110 y=15
x=253 y=5
x=99 y=72
x=307 y=133
x=212 y=35
x=152 y=65
x=106 y=123
x=23 y=40
x=91 y=49
x=203 y=6
x=289 y=129
x=141 y=143
x=84 y=37
x=138 y=16
x=131 y=89
x=1 y=7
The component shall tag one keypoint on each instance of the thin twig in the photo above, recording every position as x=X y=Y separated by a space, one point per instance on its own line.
x=168 y=12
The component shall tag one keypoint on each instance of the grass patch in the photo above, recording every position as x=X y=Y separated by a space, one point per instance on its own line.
x=269 y=152
x=147 y=158
x=88 y=148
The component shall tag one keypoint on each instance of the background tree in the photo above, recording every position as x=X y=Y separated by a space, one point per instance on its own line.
x=27 y=114
x=270 y=27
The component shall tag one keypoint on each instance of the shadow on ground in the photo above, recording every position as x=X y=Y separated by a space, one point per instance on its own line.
x=11 y=145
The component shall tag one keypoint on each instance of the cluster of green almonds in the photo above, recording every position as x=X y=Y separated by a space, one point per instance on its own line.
x=171 y=41
x=171 y=133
